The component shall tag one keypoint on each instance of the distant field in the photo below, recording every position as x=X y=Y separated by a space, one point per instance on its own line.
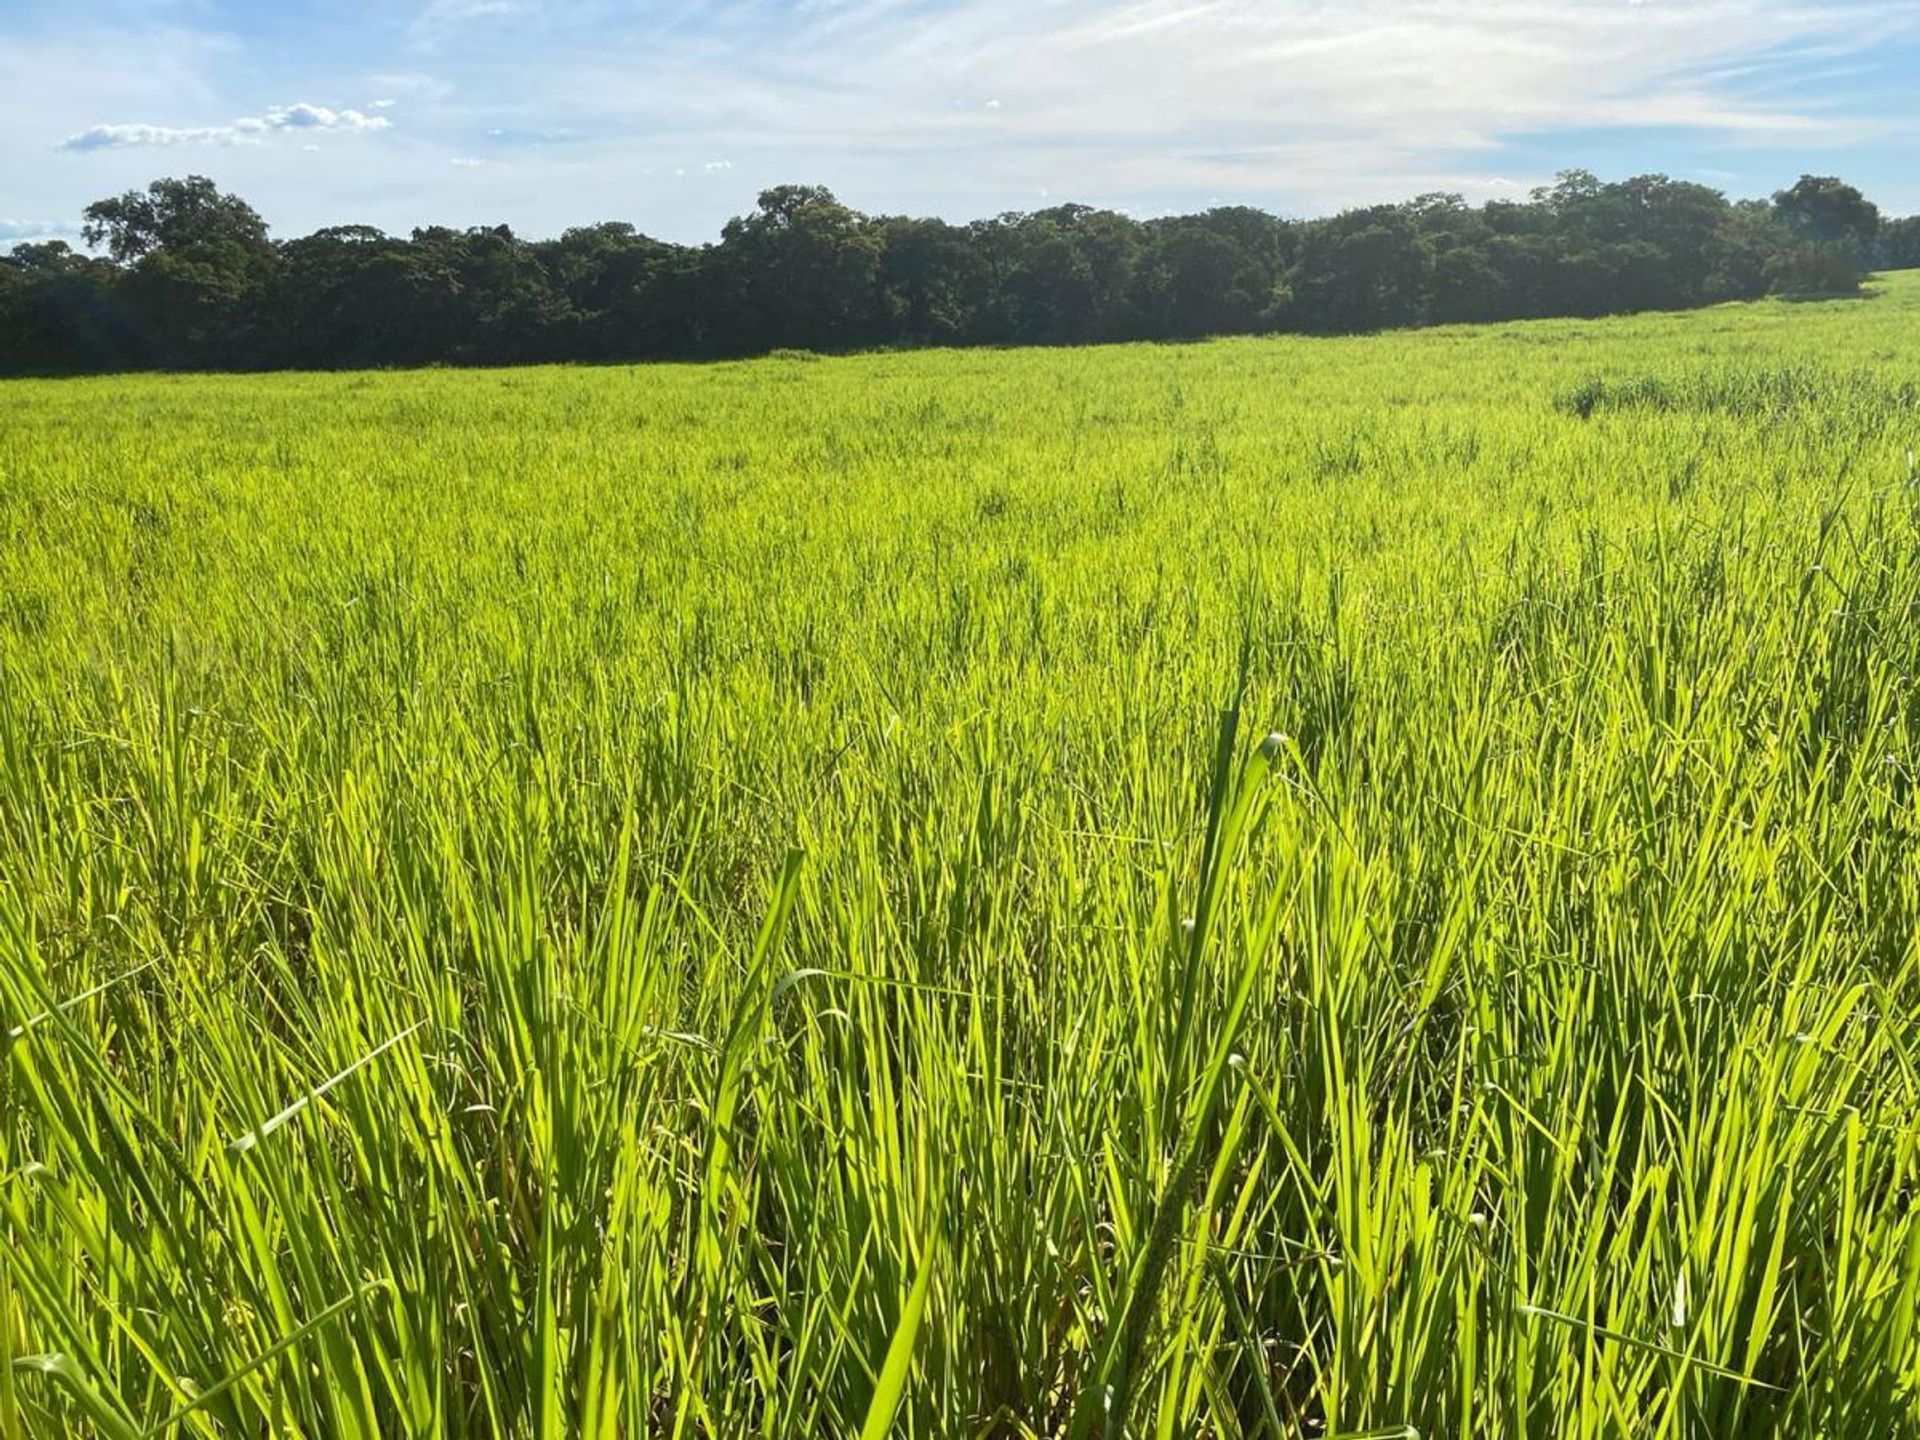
x=1268 y=887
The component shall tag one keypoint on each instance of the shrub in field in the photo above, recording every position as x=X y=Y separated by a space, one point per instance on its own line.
x=1803 y=392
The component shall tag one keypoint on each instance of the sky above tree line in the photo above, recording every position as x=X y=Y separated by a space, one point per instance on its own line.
x=673 y=114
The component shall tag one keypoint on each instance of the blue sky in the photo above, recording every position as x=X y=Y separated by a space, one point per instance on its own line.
x=674 y=114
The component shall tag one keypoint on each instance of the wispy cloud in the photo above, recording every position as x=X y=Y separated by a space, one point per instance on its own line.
x=413 y=84
x=957 y=107
x=127 y=137
x=439 y=17
x=18 y=230
x=1319 y=101
x=1428 y=76
x=302 y=118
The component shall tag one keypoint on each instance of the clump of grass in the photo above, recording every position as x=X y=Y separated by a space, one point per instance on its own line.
x=1765 y=393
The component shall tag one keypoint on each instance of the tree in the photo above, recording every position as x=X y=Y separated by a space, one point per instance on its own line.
x=353 y=295
x=500 y=307
x=57 y=312
x=1828 y=211
x=1900 y=243
x=613 y=281
x=1744 y=253
x=803 y=270
x=1363 y=270
x=176 y=215
x=1195 y=279
x=931 y=281
x=200 y=262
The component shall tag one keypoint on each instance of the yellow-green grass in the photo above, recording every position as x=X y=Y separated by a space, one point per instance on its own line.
x=761 y=899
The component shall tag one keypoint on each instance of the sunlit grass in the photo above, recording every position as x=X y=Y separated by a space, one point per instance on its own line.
x=1268 y=887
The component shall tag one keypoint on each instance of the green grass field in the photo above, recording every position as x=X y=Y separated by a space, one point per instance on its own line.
x=1270 y=887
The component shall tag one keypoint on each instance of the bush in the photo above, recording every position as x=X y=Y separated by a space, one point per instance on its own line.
x=1809 y=269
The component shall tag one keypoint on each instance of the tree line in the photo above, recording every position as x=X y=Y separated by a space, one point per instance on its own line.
x=188 y=277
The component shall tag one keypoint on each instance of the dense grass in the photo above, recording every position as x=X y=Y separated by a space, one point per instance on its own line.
x=731 y=900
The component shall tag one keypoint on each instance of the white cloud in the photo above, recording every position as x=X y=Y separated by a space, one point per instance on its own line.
x=126 y=137
x=1317 y=101
x=1295 y=105
x=317 y=117
x=716 y=167
x=299 y=117
x=467 y=162
x=12 y=231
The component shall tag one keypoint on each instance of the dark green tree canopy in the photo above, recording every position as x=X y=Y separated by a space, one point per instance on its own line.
x=1900 y=243
x=189 y=214
x=191 y=278
x=1828 y=210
